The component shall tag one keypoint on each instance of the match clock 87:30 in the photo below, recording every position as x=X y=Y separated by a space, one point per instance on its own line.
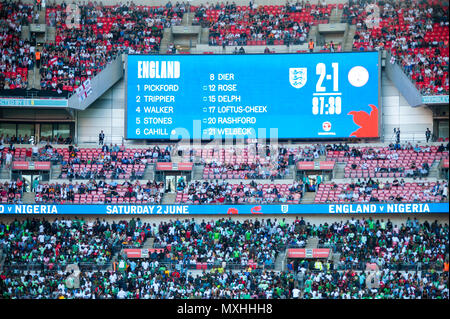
x=333 y=105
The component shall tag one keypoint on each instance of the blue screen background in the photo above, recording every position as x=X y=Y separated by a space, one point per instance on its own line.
x=262 y=80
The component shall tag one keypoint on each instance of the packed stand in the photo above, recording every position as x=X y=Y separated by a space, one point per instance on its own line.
x=373 y=191
x=389 y=161
x=93 y=192
x=109 y=162
x=287 y=24
x=222 y=192
x=97 y=35
x=17 y=55
x=53 y=245
x=11 y=192
x=409 y=246
x=393 y=285
x=223 y=242
x=42 y=245
x=415 y=32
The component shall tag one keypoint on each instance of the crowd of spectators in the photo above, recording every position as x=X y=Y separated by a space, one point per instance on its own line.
x=16 y=54
x=230 y=24
x=393 y=285
x=11 y=192
x=27 y=139
x=43 y=245
x=225 y=241
x=406 y=246
x=374 y=190
x=97 y=35
x=222 y=192
x=245 y=171
x=37 y=252
x=93 y=192
x=414 y=31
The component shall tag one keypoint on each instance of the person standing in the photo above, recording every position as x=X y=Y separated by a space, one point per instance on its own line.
x=397 y=135
x=38 y=58
x=311 y=45
x=427 y=134
x=101 y=138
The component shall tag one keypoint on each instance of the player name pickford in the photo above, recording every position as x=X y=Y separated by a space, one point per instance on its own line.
x=238 y=109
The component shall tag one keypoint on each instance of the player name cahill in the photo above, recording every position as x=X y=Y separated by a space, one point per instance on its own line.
x=158 y=69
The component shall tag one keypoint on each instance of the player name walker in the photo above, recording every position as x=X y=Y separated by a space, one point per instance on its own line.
x=158 y=69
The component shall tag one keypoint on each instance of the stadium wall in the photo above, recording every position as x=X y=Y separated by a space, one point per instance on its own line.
x=107 y=113
x=397 y=113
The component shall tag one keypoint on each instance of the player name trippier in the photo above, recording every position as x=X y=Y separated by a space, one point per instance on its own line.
x=159 y=98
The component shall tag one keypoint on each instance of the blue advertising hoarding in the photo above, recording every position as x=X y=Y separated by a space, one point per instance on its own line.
x=311 y=95
x=16 y=102
x=398 y=208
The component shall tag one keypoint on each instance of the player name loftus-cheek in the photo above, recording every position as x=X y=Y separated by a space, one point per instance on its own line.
x=158 y=69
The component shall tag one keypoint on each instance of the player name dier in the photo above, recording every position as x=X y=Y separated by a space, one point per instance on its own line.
x=158 y=69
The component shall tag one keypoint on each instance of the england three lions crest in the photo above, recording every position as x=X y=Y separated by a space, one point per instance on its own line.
x=298 y=77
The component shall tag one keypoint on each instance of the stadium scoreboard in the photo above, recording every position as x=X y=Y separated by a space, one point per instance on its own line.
x=309 y=95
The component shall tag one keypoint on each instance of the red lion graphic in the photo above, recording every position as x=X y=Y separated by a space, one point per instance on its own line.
x=368 y=123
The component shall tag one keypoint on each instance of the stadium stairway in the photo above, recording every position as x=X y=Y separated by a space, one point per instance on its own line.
x=197 y=172
x=149 y=173
x=34 y=78
x=28 y=197
x=166 y=39
x=338 y=172
x=314 y=34
x=149 y=243
x=55 y=171
x=187 y=19
x=292 y=172
x=336 y=15
x=5 y=173
x=50 y=33
x=308 y=198
x=204 y=37
x=348 y=38
x=25 y=34
x=2 y=258
x=168 y=198
x=41 y=15
x=434 y=171
x=335 y=258
x=312 y=243
x=280 y=261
